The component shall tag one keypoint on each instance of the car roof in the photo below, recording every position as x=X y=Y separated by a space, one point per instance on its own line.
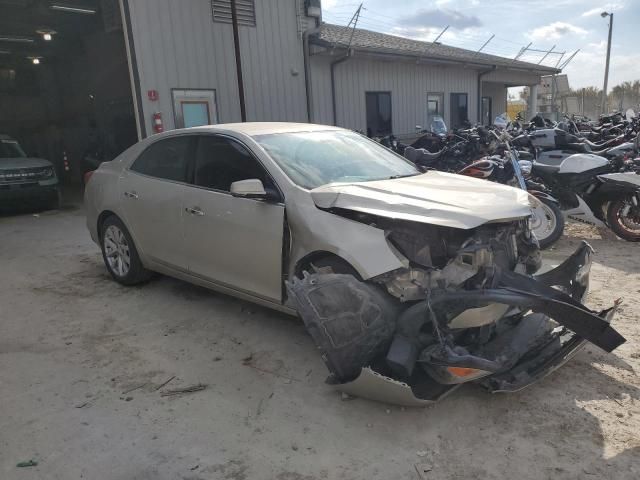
x=260 y=128
x=6 y=137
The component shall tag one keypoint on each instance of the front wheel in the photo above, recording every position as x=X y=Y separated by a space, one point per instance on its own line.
x=623 y=217
x=547 y=222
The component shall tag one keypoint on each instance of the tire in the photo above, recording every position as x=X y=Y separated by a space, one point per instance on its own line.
x=617 y=213
x=550 y=219
x=118 y=249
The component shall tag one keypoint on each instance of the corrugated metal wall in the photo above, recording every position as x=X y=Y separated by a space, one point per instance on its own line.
x=408 y=83
x=177 y=45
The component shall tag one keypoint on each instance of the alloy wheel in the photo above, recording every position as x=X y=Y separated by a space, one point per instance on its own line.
x=116 y=251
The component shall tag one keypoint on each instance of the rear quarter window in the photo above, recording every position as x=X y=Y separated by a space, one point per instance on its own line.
x=166 y=159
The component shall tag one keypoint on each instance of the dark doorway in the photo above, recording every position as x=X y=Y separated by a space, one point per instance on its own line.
x=65 y=93
x=378 y=114
x=485 y=111
x=459 y=110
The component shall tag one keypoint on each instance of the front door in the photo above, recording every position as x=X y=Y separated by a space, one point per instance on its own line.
x=233 y=241
x=152 y=194
x=459 y=110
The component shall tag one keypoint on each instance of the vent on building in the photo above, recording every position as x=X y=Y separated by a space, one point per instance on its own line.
x=245 y=11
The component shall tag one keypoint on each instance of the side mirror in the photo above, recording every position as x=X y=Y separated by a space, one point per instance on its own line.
x=251 y=188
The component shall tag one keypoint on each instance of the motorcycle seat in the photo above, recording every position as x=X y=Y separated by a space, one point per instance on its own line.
x=543 y=169
x=579 y=147
x=421 y=155
x=601 y=146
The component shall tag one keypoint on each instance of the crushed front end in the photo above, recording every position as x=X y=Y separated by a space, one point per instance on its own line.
x=467 y=308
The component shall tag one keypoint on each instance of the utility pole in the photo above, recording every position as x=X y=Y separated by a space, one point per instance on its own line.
x=606 y=68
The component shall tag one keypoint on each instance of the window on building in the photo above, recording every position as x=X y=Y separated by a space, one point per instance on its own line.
x=435 y=108
x=166 y=159
x=485 y=111
x=245 y=11
x=459 y=109
x=378 y=106
x=221 y=161
x=193 y=108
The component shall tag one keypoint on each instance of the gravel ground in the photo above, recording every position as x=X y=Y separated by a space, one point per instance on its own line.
x=83 y=360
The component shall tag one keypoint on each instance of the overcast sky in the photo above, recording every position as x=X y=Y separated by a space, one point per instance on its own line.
x=568 y=24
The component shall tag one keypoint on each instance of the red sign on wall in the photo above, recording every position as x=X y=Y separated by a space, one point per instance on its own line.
x=153 y=95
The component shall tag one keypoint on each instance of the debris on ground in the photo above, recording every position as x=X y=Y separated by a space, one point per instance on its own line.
x=134 y=388
x=179 y=391
x=165 y=383
x=248 y=359
x=28 y=463
x=422 y=469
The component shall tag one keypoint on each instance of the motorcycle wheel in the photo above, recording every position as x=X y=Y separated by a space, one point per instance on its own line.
x=623 y=218
x=547 y=223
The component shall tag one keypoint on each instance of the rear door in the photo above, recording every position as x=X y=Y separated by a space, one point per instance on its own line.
x=233 y=241
x=152 y=195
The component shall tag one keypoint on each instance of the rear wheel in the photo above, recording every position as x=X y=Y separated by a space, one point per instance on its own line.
x=547 y=222
x=623 y=216
x=120 y=255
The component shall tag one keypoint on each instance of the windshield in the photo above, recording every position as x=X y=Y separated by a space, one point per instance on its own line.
x=438 y=126
x=11 y=149
x=313 y=159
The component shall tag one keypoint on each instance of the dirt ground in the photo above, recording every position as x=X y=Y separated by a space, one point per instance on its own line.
x=82 y=360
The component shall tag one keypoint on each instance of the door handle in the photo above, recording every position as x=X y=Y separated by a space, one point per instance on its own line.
x=131 y=194
x=195 y=211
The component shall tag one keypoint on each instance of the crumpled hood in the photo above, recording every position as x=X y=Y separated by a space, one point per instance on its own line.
x=24 y=162
x=436 y=198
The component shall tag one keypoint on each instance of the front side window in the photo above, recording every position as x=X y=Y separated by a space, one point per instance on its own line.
x=166 y=159
x=221 y=161
x=313 y=159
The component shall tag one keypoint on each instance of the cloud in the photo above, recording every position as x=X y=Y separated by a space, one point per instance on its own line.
x=440 y=18
x=329 y=4
x=607 y=7
x=593 y=11
x=555 y=30
x=426 y=34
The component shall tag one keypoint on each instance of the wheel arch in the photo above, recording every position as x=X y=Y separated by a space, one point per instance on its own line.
x=305 y=262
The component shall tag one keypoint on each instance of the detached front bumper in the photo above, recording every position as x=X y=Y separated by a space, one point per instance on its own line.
x=373 y=350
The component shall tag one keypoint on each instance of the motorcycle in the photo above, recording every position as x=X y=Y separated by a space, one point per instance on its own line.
x=547 y=220
x=590 y=192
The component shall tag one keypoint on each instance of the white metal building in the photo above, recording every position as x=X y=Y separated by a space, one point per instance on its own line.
x=296 y=68
x=111 y=71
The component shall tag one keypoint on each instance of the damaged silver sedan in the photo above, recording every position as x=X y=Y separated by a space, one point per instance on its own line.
x=411 y=283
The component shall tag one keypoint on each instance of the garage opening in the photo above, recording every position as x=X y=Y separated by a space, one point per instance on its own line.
x=65 y=92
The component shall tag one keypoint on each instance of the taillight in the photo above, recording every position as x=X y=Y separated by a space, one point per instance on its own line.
x=87 y=176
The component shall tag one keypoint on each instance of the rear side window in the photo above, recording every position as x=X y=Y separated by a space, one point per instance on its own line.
x=167 y=159
x=221 y=161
